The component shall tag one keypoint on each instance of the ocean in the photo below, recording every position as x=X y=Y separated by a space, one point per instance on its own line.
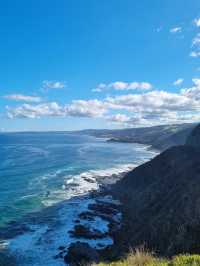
x=45 y=179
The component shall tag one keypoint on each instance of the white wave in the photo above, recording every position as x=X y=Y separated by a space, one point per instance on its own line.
x=28 y=196
x=85 y=182
x=39 y=247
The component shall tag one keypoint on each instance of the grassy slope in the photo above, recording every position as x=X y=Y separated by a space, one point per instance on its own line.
x=141 y=258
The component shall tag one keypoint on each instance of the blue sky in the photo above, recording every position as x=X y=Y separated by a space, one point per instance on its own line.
x=98 y=63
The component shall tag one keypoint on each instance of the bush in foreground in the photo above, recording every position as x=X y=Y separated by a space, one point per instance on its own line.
x=142 y=258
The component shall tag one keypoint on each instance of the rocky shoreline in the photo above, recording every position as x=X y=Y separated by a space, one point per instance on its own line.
x=105 y=208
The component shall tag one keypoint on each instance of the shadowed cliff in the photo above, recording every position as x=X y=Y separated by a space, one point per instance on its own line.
x=162 y=201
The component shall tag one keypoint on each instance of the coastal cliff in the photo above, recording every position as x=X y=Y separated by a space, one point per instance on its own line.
x=161 y=201
x=160 y=209
x=158 y=137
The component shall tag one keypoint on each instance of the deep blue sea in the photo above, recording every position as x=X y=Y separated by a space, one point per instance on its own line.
x=41 y=171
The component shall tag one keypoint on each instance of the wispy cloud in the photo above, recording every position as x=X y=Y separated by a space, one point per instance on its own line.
x=121 y=86
x=159 y=29
x=196 y=46
x=196 y=41
x=176 y=30
x=197 y=22
x=49 y=84
x=195 y=54
x=100 y=87
x=193 y=92
x=178 y=82
x=21 y=97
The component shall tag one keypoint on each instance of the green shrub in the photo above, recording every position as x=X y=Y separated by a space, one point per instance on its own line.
x=186 y=260
x=139 y=257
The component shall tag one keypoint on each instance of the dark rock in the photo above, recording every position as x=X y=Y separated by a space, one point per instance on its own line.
x=100 y=245
x=80 y=254
x=113 y=227
x=89 y=180
x=103 y=208
x=90 y=216
x=61 y=248
x=87 y=215
x=86 y=232
x=61 y=254
x=7 y=260
x=109 y=204
x=13 y=230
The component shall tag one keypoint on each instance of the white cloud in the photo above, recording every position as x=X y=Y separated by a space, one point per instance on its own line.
x=147 y=108
x=49 y=84
x=82 y=108
x=178 y=82
x=121 y=85
x=35 y=111
x=158 y=107
x=196 y=41
x=79 y=108
x=176 y=30
x=21 y=97
x=195 y=54
x=154 y=101
x=197 y=22
x=196 y=46
x=100 y=87
x=193 y=92
x=119 y=118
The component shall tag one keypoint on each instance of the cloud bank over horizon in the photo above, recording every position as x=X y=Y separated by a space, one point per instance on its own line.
x=139 y=109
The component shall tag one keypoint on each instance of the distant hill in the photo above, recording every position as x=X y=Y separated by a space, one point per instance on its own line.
x=159 y=137
x=161 y=200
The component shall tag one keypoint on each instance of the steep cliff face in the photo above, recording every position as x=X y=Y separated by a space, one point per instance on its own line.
x=194 y=138
x=162 y=200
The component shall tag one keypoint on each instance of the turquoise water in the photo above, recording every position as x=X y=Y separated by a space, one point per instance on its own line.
x=35 y=165
x=47 y=176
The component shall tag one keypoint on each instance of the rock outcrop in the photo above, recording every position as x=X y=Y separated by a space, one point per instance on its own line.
x=85 y=232
x=81 y=254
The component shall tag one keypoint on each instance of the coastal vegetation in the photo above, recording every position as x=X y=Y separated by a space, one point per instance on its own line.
x=143 y=258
